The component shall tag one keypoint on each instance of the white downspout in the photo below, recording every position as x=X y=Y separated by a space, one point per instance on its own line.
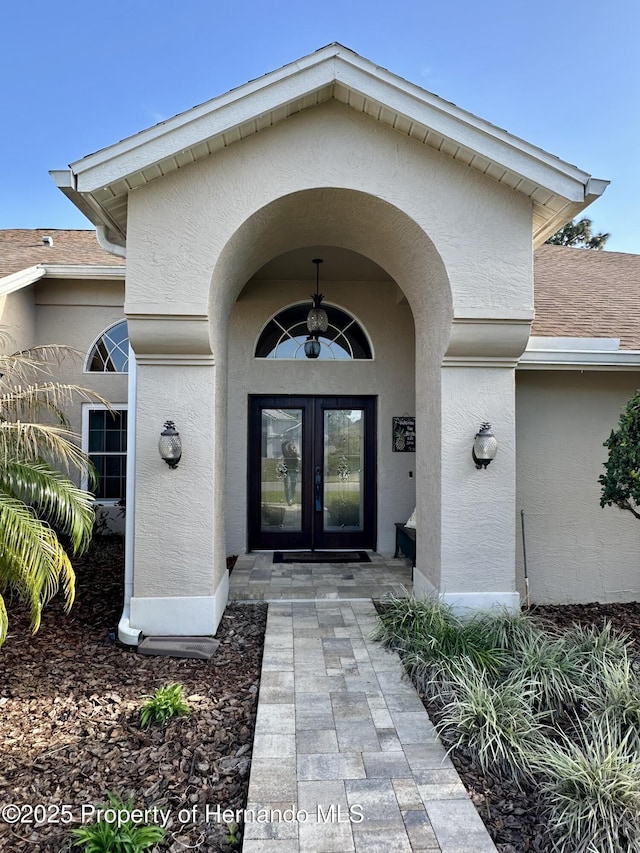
x=126 y=633
x=114 y=248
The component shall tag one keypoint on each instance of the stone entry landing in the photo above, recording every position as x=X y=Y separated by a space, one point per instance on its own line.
x=256 y=578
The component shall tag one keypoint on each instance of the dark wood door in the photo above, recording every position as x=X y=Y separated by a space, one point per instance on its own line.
x=312 y=472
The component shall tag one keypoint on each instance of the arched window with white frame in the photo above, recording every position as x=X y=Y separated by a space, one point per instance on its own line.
x=285 y=334
x=110 y=351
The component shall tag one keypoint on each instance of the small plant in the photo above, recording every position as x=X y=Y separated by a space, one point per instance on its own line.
x=120 y=835
x=234 y=839
x=592 y=789
x=168 y=701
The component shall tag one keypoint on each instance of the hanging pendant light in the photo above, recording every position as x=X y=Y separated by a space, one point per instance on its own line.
x=312 y=347
x=317 y=320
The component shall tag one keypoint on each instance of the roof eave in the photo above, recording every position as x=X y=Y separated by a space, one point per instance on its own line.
x=333 y=71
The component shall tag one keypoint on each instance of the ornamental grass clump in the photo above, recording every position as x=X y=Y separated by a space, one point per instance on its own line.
x=168 y=701
x=433 y=641
x=495 y=721
x=614 y=700
x=117 y=832
x=552 y=671
x=600 y=647
x=590 y=783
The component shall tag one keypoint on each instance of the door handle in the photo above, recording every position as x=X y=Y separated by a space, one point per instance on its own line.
x=318 y=490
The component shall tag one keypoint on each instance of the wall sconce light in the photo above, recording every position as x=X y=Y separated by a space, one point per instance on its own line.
x=170 y=446
x=485 y=446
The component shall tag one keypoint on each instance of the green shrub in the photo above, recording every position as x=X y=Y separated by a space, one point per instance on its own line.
x=168 y=701
x=121 y=836
x=591 y=787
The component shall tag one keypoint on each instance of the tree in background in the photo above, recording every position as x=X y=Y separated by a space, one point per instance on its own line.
x=621 y=480
x=579 y=235
x=40 y=463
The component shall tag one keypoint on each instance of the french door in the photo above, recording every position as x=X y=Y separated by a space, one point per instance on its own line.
x=312 y=478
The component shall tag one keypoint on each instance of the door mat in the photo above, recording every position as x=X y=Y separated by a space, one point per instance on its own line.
x=321 y=557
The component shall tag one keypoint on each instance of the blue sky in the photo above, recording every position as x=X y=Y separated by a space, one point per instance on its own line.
x=78 y=76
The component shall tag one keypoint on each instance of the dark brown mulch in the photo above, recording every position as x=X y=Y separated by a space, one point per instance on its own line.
x=70 y=699
x=513 y=817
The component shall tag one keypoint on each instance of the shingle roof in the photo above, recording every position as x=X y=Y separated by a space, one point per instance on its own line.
x=23 y=247
x=583 y=293
x=579 y=293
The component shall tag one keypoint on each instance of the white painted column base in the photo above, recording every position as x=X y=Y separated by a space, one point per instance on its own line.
x=466 y=603
x=180 y=616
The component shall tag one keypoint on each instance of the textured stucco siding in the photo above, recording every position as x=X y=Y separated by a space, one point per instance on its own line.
x=75 y=313
x=576 y=551
x=18 y=320
x=454 y=241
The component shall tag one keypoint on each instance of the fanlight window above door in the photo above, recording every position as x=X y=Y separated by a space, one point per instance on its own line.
x=110 y=353
x=285 y=334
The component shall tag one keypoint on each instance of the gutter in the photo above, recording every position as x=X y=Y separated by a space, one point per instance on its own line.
x=577 y=354
x=114 y=248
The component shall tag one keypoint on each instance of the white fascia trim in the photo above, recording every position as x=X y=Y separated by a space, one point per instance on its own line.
x=576 y=360
x=22 y=278
x=333 y=64
x=545 y=353
x=84 y=271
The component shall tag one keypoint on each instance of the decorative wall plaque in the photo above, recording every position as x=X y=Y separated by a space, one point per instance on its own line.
x=404 y=434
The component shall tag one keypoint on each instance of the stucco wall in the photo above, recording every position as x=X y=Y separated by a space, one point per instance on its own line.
x=576 y=551
x=17 y=317
x=75 y=313
x=452 y=239
x=389 y=377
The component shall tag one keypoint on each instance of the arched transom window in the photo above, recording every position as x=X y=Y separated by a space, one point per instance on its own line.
x=110 y=353
x=285 y=334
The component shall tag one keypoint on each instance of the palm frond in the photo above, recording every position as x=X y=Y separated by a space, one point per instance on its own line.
x=32 y=560
x=34 y=441
x=4 y=621
x=54 y=497
x=29 y=365
x=48 y=398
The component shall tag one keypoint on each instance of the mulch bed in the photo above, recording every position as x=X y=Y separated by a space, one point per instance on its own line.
x=70 y=699
x=69 y=732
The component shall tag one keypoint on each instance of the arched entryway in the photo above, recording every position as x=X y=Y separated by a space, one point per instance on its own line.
x=390 y=307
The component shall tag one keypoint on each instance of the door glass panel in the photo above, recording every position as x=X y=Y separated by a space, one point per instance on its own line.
x=281 y=470
x=343 y=467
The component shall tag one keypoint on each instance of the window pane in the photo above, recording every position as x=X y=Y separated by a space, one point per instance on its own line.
x=107 y=450
x=285 y=334
x=111 y=352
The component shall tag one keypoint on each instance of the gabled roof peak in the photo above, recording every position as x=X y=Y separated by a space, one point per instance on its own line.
x=99 y=183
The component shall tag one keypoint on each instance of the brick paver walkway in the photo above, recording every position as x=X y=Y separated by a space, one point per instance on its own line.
x=340 y=735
